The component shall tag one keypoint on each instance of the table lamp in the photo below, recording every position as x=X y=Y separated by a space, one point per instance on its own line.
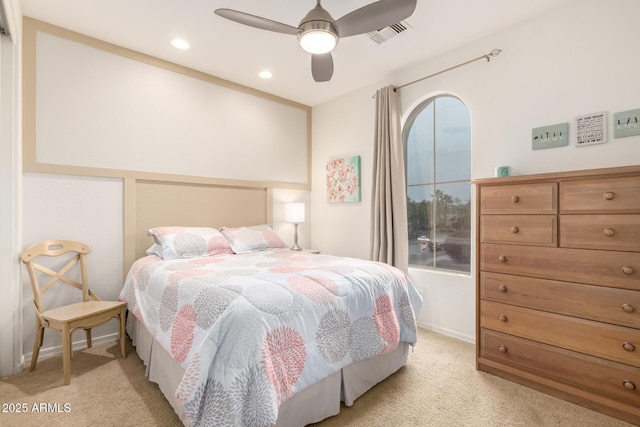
x=294 y=213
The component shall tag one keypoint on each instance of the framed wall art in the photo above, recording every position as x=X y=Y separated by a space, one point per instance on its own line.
x=343 y=180
x=626 y=123
x=550 y=136
x=591 y=129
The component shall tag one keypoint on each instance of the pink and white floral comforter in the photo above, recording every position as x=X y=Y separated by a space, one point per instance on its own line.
x=251 y=330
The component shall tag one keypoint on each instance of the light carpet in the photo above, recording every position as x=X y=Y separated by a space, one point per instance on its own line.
x=439 y=387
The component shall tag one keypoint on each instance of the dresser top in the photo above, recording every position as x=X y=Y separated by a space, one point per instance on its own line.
x=614 y=172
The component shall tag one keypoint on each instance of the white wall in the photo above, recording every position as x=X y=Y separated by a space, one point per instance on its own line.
x=576 y=60
x=153 y=119
x=343 y=128
x=76 y=208
x=572 y=61
x=286 y=230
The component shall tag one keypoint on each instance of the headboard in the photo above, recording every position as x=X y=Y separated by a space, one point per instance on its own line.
x=154 y=203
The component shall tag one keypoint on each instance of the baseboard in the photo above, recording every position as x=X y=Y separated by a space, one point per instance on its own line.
x=48 y=352
x=19 y=368
x=448 y=332
x=79 y=345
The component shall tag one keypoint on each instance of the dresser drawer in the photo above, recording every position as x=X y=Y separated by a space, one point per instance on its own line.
x=610 y=305
x=537 y=230
x=612 y=232
x=619 y=195
x=617 y=343
x=519 y=199
x=603 y=268
x=597 y=375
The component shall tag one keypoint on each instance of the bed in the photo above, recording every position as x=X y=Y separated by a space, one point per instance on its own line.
x=243 y=331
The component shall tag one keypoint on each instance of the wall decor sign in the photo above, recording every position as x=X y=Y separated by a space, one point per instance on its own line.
x=550 y=136
x=343 y=180
x=591 y=129
x=626 y=123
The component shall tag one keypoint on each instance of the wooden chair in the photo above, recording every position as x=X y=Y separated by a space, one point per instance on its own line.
x=87 y=314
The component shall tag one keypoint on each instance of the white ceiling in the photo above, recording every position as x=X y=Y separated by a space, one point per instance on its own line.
x=236 y=52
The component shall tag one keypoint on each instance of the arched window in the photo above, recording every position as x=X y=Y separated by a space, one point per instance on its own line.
x=437 y=138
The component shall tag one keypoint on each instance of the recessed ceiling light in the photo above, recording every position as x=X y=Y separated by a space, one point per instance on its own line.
x=180 y=44
x=265 y=74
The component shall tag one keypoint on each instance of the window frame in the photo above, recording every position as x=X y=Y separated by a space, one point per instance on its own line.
x=406 y=128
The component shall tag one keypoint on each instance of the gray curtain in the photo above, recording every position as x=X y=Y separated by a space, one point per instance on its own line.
x=389 y=193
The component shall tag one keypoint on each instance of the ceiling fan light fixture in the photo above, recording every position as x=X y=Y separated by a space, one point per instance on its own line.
x=317 y=37
x=318 y=41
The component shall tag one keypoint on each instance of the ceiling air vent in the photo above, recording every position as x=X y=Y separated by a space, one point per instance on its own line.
x=381 y=36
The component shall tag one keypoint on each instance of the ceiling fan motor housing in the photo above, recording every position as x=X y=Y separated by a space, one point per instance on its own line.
x=318 y=13
x=318 y=20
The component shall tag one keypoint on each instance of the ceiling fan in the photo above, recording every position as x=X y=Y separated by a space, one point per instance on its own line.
x=318 y=33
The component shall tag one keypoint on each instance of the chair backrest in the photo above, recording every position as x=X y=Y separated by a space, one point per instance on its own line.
x=55 y=248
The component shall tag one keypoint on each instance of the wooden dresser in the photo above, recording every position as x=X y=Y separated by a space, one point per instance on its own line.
x=558 y=285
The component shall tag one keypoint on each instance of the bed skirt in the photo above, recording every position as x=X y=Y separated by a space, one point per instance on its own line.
x=315 y=403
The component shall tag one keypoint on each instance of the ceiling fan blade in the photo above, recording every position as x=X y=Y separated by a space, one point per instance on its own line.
x=256 y=21
x=374 y=16
x=322 y=67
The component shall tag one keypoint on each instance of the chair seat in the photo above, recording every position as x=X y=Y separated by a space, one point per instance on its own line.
x=81 y=310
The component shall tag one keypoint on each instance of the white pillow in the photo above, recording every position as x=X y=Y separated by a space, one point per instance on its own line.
x=155 y=249
x=189 y=242
x=254 y=238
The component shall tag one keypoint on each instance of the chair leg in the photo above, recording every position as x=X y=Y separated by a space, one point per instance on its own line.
x=37 y=343
x=66 y=353
x=122 y=318
x=88 y=334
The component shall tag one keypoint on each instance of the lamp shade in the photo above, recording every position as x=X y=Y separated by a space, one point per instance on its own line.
x=294 y=212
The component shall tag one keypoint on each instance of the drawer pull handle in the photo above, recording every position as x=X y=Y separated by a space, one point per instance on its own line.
x=514 y=229
x=628 y=346
x=503 y=258
x=503 y=349
x=628 y=385
x=503 y=288
x=503 y=318
x=608 y=195
x=515 y=199
x=628 y=308
x=608 y=232
x=627 y=270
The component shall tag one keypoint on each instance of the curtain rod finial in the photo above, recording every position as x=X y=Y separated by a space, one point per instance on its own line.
x=494 y=53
